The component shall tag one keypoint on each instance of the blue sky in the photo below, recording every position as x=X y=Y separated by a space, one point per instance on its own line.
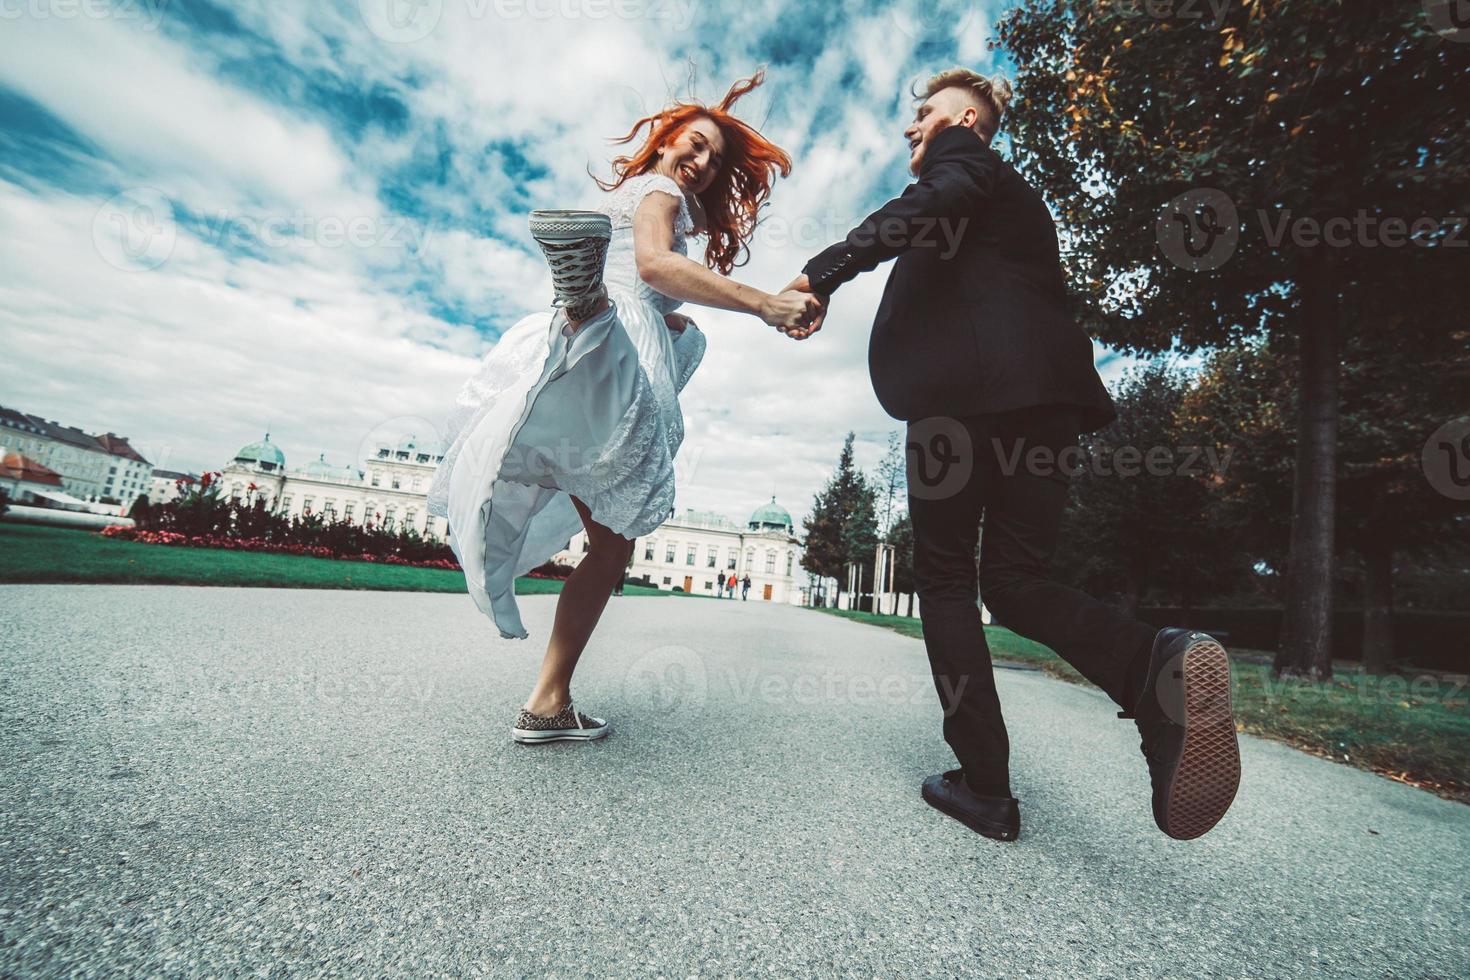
x=310 y=216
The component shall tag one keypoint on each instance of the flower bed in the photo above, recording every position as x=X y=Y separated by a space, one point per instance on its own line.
x=175 y=539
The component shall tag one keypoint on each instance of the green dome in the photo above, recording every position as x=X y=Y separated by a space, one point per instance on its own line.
x=265 y=454
x=771 y=516
x=319 y=467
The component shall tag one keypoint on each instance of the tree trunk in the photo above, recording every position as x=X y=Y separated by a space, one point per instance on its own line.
x=1377 y=606
x=1306 y=626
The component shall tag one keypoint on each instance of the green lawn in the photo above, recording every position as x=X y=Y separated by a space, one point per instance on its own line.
x=1413 y=728
x=30 y=553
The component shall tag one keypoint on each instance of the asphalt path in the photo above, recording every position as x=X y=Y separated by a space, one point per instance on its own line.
x=276 y=782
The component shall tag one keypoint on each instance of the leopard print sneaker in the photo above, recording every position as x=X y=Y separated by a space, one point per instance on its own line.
x=568 y=723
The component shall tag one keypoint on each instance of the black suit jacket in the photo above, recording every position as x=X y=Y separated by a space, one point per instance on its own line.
x=974 y=317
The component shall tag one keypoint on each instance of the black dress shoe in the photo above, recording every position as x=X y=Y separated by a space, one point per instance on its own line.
x=1187 y=731
x=997 y=817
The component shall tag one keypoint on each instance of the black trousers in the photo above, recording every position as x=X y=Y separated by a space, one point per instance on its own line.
x=1012 y=469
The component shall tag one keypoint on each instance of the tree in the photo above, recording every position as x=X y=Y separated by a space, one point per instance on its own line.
x=842 y=526
x=141 y=511
x=1139 y=518
x=1304 y=117
x=891 y=482
x=1397 y=386
x=901 y=537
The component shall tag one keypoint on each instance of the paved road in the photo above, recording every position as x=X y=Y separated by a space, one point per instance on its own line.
x=222 y=781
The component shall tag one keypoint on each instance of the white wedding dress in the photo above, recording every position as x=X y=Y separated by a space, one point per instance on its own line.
x=548 y=416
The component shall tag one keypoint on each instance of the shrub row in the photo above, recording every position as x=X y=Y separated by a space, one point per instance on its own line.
x=1434 y=640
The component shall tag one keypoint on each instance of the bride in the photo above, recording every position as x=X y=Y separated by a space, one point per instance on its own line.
x=572 y=420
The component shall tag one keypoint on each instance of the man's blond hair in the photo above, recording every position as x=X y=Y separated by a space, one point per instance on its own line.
x=993 y=93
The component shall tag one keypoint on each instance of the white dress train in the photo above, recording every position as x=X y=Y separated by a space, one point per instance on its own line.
x=548 y=416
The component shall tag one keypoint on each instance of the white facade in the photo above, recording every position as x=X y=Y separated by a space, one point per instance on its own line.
x=163 y=485
x=129 y=475
x=78 y=458
x=390 y=489
x=694 y=551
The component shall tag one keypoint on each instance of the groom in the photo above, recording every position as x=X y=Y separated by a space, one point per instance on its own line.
x=973 y=346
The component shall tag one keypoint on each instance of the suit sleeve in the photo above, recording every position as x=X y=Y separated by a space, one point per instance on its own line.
x=957 y=177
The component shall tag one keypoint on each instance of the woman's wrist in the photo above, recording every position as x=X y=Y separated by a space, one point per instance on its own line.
x=760 y=305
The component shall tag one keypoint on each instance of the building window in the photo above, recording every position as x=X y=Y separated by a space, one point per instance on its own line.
x=585 y=542
x=286 y=502
x=790 y=562
x=395 y=481
x=418 y=483
x=749 y=559
x=770 y=562
x=709 y=586
x=689 y=554
x=306 y=503
x=712 y=557
x=669 y=552
x=347 y=511
x=376 y=478
x=648 y=551
x=666 y=580
x=733 y=557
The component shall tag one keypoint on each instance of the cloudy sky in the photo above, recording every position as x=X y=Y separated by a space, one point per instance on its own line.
x=309 y=216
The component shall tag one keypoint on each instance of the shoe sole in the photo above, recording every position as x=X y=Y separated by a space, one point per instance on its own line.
x=566 y=227
x=983 y=827
x=528 y=736
x=1207 y=775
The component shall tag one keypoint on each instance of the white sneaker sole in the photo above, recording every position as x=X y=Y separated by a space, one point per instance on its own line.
x=528 y=736
x=569 y=226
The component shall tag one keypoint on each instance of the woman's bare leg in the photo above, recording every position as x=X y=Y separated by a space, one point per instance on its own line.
x=578 y=609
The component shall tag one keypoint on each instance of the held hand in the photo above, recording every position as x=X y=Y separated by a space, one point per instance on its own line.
x=791 y=310
x=677 y=322
x=802 y=333
x=802 y=284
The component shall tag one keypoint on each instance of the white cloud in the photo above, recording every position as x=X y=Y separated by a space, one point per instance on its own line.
x=324 y=343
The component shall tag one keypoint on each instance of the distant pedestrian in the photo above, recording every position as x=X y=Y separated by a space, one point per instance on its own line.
x=745 y=587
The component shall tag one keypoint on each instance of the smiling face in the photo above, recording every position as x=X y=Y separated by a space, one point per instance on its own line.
x=951 y=106
x=693 y=158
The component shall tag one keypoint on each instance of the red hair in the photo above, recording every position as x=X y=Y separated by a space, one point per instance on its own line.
x=732 y=202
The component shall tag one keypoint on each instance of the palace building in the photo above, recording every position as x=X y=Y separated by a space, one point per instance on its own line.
x=389 y=489
x=693 y=551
